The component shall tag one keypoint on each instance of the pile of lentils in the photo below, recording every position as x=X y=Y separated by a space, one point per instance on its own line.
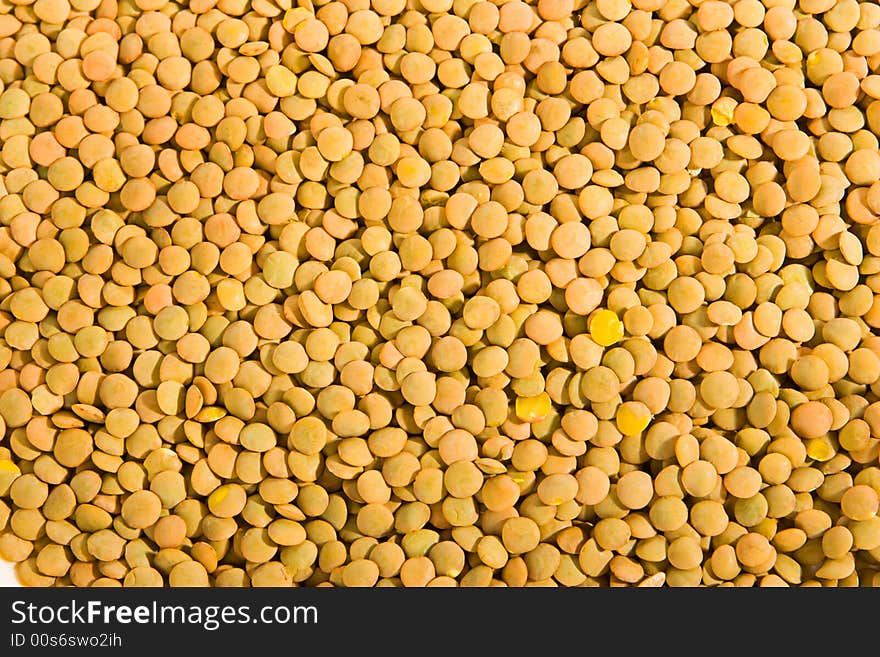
x=440 y=292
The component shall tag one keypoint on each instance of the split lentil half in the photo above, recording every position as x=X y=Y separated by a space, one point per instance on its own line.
x=440 y=292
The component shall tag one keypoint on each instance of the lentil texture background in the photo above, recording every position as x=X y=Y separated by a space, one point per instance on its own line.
x=440 y=292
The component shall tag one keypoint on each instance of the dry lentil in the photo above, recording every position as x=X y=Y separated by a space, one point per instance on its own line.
x=440 y=294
